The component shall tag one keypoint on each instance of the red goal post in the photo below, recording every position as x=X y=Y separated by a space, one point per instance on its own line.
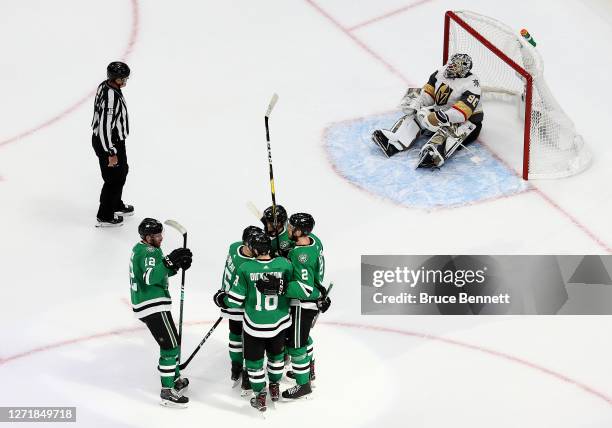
x=508 y=66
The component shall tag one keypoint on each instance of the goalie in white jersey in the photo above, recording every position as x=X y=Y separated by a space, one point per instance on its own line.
x=445 y=114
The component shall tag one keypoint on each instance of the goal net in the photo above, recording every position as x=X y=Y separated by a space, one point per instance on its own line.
x=510 y=68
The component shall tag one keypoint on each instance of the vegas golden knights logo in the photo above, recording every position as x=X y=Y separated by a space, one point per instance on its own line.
x=442 y=94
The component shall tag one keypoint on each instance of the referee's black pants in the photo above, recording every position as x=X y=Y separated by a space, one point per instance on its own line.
x=114 y=178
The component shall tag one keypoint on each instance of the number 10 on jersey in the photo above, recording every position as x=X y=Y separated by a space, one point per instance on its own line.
x=270 y=303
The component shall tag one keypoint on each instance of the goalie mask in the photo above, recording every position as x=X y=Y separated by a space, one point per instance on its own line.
x=459 y=65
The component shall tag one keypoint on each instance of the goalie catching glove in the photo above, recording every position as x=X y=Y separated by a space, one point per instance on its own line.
x=434 y=120
x=179 y=258
x=269 y=285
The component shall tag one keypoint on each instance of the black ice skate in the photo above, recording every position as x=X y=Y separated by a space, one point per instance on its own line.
x=274 y=391
x=113 y=222
x=180 y=384
x=172 y=398
x=246 y=385
x=236 y=371
x=383 y=142
x=297 y=391
x=126 y=210
x=259 y=401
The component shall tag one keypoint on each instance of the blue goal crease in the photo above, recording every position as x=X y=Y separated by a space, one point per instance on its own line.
x=471 y=175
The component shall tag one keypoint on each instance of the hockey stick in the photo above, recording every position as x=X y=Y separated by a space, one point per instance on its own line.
x=316 y=317
x=251 y=206
x=176 y=225
x=268 y=112
x=183 y=365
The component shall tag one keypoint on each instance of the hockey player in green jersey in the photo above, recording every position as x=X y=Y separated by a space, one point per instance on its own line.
x=264 y=290
x=309 y=268
x=238 y=253
x=151 y=303
x=281 y=230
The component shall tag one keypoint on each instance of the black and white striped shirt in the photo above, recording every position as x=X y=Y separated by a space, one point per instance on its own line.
x=110 y=117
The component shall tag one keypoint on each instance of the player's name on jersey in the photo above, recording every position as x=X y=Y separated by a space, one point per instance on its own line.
x=254 y=276
x=426 y=298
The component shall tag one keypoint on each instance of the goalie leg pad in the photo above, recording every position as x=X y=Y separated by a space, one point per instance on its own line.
x=444 y=143
x=405 y=131
x=457 y=136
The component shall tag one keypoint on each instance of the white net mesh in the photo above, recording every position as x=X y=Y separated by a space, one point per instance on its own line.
x=556 y=150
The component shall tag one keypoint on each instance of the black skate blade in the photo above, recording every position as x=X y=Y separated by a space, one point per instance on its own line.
x=173 y=405
x=380 y=146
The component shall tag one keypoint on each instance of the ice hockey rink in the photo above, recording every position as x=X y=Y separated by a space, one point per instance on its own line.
x=202 y=75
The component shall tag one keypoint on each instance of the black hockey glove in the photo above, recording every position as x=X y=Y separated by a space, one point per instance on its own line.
x=270 y=285
x=179 y=258
x=323 y=303
x=219 y=299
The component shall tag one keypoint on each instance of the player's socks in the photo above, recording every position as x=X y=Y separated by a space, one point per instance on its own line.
x=312 y=370
x=291 y=375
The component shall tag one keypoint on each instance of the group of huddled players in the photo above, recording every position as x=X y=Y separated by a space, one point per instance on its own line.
x=272 y=293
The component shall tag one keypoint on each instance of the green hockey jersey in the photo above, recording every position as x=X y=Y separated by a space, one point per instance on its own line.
x=230 y=277
x=285 y=243
x=308 y=266
x=266 y=316
x=149 y=280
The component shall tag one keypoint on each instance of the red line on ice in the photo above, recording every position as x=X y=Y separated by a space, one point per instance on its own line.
x=487 y=351
x=575 y=221
x=79 y=103
x=388 y=14
x=424 y=336
x=365 y=47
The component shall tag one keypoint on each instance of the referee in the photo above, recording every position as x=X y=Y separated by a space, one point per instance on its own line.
x=111 y=127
